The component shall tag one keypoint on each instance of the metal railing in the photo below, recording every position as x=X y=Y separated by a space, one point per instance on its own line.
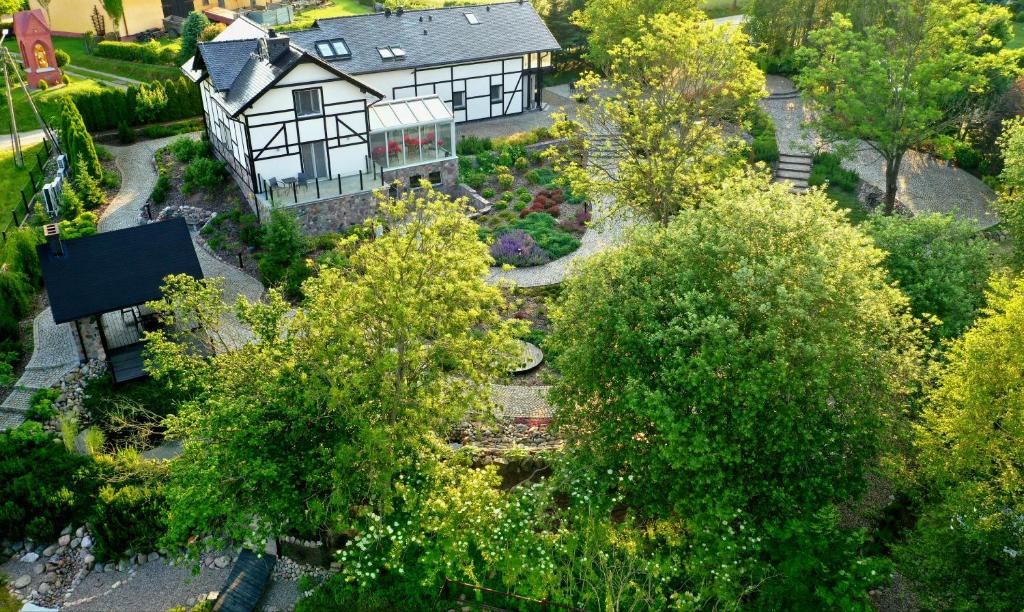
x=291 y=191
x=23 y=202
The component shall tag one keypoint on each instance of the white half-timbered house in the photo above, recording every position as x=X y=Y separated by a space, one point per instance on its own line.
x=317 y=118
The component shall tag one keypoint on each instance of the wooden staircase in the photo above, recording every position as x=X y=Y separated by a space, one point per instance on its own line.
x=795 y=170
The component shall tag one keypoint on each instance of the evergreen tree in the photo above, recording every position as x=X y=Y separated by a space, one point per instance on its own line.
x=77 y=141
x=88 y=188
x=70 y=204
x=193 y=27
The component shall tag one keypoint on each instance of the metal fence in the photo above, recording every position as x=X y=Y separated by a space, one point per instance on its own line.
x=36 y=166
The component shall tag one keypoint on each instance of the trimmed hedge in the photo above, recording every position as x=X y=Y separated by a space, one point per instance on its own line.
x=144 y=53
x=167 y=100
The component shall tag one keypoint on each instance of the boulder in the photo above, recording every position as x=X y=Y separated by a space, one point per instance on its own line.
x=154 y=556
x=140 y=559
x=23 y=581
x=44 y=588
x=80 y=532
x=30 y=557
x=64 y=540
x=89 y=561
x=75 y=542
x=66 y=530
x=38 y=568
x=49 y=550
x=122 y=565
x=87 y=542
x=222 y=561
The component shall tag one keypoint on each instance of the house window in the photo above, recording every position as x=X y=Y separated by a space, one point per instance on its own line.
x=307 y=102
x=414 y=181
x=458 y=100
x=471 y=18
x=313 y=156
x=434 y=178
x=496 y=94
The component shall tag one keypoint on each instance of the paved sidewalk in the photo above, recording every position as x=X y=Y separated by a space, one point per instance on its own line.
x=54 y=354
x=926 y=184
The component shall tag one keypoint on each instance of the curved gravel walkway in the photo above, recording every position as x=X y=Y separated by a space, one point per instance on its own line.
x=138 y=176
x=925 y=183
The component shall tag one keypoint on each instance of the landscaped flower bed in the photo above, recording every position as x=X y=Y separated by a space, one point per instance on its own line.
x=534 y=217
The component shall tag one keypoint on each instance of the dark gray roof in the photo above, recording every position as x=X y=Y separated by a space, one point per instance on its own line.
x=113 y=270
x=256 y=76
x=505 y=29
x=225 y=59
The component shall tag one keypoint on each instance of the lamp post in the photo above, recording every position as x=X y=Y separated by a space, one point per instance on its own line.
x=15 y=139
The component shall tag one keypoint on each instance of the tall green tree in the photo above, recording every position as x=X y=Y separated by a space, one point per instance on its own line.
x=76 y=140
x=10 y=7
x=739 y=367
x=897 y=86
x=115 y=10
x=311 y=421
x=651 y=136
x=191 y=30
x=941 y=263
x=1011 y=192
x=965 y=552
x=610 y=22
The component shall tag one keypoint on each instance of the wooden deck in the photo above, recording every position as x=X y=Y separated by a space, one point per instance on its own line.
x=246 y=582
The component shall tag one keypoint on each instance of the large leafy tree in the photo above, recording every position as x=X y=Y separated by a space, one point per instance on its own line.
x=308 y=422
x=1011 y=197
x=609 y=22
x=965 y=553
x=899 y=85
x=737 y=367
x=652 y=136
x=941 y=263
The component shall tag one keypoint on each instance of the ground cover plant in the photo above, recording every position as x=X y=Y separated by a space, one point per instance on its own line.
x=534 y=216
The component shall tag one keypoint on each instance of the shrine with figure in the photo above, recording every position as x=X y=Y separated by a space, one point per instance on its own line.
x=36 y=47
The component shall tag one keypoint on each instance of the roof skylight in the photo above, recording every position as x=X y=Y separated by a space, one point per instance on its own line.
x=391 y=53
x=335 y=48
x=471 y=18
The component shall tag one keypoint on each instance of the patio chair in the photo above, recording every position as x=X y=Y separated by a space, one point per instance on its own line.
x=302 y=181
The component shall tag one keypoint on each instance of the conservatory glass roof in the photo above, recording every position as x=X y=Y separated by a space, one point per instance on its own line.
x=406 y=112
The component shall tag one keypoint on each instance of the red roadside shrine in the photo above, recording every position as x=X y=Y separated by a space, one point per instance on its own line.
x=36 y=47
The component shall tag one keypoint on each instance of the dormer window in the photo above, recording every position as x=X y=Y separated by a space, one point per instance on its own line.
x=333 y=49
x=471 y=18
x=391 y=53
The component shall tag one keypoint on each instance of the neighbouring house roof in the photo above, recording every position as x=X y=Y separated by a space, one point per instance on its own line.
x=502 y=30
x=114 y=270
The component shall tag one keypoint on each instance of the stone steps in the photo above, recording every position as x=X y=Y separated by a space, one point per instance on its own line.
x=795 y=170
x=785 y=95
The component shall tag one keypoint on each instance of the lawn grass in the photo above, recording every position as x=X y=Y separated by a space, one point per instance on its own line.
x=339 y=8
x=13 y=179
x=45 y=100
x=722 y=8
x=75 y=47
x=1018 y=36
x=847 y=200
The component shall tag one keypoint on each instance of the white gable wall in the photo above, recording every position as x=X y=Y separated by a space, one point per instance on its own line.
x=277 y=132
x=475 y=79
x=227 y=135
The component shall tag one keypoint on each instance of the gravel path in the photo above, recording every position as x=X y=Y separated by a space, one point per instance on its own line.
x=153 y=587
x=522 y=402
x=925 y=183
x=138 y=175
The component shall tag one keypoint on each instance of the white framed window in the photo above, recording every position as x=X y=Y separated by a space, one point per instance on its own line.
x=471 y=18
x=307 y=102
x=497 y=96
x=458 y=100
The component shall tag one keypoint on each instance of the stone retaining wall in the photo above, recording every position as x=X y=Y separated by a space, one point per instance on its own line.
x=338 y=214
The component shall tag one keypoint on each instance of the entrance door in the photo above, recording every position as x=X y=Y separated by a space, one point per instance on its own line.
x=314 y=159
x=528 y=90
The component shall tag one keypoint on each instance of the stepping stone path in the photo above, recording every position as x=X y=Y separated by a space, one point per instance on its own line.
x=794 y=169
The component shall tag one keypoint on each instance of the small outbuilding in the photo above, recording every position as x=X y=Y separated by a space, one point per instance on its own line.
x=100 y=285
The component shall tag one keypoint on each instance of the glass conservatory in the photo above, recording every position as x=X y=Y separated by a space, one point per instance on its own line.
x=411 y=131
